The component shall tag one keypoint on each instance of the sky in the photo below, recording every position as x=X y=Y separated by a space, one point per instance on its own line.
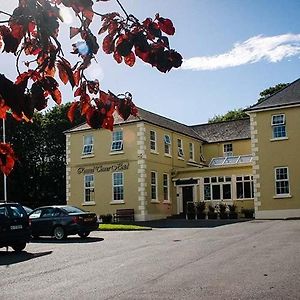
x=232 y=50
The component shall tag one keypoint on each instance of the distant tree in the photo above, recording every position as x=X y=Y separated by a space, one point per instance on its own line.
x=271 y=90
x=229 y=116
x=39 y=174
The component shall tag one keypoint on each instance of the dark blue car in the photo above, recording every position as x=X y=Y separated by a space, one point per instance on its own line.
x=14 y=226
x=62 y=220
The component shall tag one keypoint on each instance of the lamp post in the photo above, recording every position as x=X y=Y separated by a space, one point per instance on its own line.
x=4 y=178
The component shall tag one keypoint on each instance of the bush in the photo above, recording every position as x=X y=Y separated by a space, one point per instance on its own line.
x=223 y=213
x=211 y=212
x=200 y=208
x=107 y=219
x=232 y=212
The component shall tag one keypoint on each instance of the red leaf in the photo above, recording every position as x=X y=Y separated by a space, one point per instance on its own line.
x=77 y=77
x=130 y=59
x=108 y=45
x=118 y=58
x=88 y=13
x=56 y=96
x=72 y=110
x=74 y=31
x=166 y=26
x=7 y=158
x=78 y=92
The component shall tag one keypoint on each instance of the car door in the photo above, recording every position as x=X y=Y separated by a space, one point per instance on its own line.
x=47 y=220
x=4 y=225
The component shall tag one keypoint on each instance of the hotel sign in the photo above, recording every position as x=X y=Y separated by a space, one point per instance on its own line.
x=121 y=166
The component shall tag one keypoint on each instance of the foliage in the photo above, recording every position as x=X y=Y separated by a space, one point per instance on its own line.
x=106 y=218
x=200 y=206
x=121 y=227
x=39 y=176
x=32 y=30
x=211 y=209
x=232 y=208
x=271 y=90
x=231 y=115
x=222 y=208
x=248 y=212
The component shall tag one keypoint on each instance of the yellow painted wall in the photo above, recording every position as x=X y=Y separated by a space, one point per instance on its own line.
x=279 y=153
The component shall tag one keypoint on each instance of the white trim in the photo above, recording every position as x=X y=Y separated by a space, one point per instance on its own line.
x=91 y=203
x=280 y=180
x=151 y=141
x=279 y=139
x=155 y=185
x=277 y=214
x=271 y=108
x=112 y=181
x=87 y=156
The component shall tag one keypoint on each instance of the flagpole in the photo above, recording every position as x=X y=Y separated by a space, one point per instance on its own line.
x=4 y=178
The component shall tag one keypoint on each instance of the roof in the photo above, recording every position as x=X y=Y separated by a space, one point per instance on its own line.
x=210 y=132
x=290 y=95
x=224 y=131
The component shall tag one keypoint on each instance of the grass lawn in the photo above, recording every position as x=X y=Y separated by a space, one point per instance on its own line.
x=116 y=227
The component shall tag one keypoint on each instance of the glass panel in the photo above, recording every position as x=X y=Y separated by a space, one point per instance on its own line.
x=247 y=189
x=239 y=190
x=227 y=179
x=278 y=119
x=221 y=179
x=279 y=131
x=226 y=191
x=213 y=179
x=206 y=191
x=216 y=192
x=282 y=187
x=231 y=160
x=167 y=139
x=206 y=179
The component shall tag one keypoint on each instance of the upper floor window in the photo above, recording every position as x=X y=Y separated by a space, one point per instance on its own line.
x=118 y=186
x=278 y=126
x=153 y=185
x=180 y=148
x=191 y=151
x=117 y=141
x=88 y=144
x=89 y=193
x=282 y=186
x=227 y=150
x=153 y=146
x=167 y=142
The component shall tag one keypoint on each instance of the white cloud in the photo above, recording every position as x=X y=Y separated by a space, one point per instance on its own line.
x=272 y=49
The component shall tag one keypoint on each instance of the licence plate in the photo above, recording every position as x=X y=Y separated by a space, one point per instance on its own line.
x=14 y=227
x=88 y=219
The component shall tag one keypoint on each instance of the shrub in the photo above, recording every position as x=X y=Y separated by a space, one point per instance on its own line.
x=200 y=208
x=106 y=218
x=248 y=212
x=222 y=209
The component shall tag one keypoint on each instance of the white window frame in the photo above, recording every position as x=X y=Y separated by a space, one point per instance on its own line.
x=219 y=181
x=180 y=152
x=227 y=152
x=278 y=124
x=117 y=141
x=153 y=142
x=89 y=188
x=167 y=144
x=191 y=151
x=287 y=179
x=166 y=187
x=88 y=145
x=243 y=181
x=153 y=185
x=117 y=186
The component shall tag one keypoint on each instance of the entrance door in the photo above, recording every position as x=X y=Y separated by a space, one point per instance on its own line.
x=187 y=195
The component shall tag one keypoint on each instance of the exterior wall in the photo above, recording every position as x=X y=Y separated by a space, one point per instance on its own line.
x=240 y=147
x=269 y=154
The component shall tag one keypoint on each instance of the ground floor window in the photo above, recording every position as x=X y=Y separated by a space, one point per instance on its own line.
x=244 y=187
x=282 y=186
x=89 y=191
x=118 y=186
x=166 y=187
x=153 y=185
x=217 y=188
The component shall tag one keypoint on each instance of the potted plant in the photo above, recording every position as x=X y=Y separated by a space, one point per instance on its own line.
x=200 y=209
x=212 y=212
x=232 y=212
x=190 y=210
x=248 y=213
x=222 y=209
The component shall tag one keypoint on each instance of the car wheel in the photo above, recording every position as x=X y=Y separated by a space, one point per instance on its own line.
x=84 y=234
x=19 y=247
x=59 y=233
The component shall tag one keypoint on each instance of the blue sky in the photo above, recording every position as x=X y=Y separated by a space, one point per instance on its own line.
x=232 y=50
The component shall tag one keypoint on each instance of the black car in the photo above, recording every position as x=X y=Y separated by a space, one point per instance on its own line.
x=62 y=220
x=14 y=226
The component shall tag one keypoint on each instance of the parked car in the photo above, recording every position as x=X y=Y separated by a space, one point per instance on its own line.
x=27 y=209
x=14 y=226
x=62 y=220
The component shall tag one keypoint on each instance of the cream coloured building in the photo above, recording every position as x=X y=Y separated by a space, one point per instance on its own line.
x=155 y=165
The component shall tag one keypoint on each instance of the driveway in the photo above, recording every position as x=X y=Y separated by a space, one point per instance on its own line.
x=249 y=260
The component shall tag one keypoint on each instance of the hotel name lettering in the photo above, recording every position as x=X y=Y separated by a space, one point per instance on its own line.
x=105 y=168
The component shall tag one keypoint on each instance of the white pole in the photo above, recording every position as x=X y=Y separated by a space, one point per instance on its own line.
x=4 y=178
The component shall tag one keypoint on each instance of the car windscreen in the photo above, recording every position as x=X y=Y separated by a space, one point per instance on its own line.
x=72 y=209
x=17 y=211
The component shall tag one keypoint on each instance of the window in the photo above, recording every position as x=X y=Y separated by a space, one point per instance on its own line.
x=117 y=141
x=278 y=126
x=180 y=148
x=153 y=141
x=227 y=150
x=244 y=187
x=191 y=151
x=282 y=185
x=89 y=188
x=118 y=186
x=166 y=186
x=167 y=141
x=217 y=188
x=153 y=185
x=88 y=145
